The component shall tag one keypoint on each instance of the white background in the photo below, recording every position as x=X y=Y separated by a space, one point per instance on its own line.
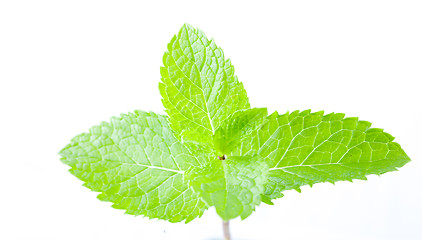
x=68 y=65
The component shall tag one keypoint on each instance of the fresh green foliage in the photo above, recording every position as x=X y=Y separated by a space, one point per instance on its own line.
x=304 y=148
x=137 y=164
x=198 y=86
x=214 y=150
x=237 y=128
x=234 y=186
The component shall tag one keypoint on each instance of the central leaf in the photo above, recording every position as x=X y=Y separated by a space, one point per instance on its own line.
x=237 y=128
x=234 y=186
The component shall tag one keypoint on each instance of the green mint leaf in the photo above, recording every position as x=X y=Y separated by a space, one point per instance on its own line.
x=214 y=150
x=304 y=148
x=138 y=165
x=237 y=128
x=234 y=186
x=198 y=86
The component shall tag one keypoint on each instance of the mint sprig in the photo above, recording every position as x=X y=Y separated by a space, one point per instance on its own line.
x=214 y=150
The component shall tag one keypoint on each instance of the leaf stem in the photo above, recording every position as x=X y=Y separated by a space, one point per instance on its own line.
x=226 y=230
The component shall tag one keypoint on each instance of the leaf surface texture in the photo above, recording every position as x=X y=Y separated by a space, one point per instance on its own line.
x=304 y=148
x=198 y=87
x=137 y=164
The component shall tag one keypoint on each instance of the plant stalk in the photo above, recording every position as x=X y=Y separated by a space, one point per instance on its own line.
x=226 y=230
